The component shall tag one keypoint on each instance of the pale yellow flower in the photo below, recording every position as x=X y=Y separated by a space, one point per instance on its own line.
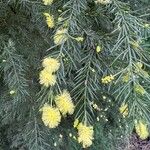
x=124 y=110
x=85 y=135
x=49 y=20
x=98 y=49
x=51 y=64
x=141 y=129
x=104 y=97
x=47 y=78
x=139 y=89
x=64 y=103
x=107 y=79
x=146 y=25
x=50 y=116
x=79 y=39
x=47 y=2
x=76 y=123
x=70 y=134
x=12 y=92
x=60 y=36
x=135 y=44
x=126 y=77
x=139 y=65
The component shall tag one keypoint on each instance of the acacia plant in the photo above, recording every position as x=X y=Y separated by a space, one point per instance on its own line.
x=74 y=74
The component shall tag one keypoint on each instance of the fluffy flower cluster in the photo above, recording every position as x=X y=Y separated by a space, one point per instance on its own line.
x=104 y=2
x=47 y=76
x=107 y=79
x=124 y=110
x=141 y=129
x=85 y=135
x=47 y=2
x=49 y=20
x=51 y=64
x=64 y=103
x=47 y=79
x=60 y=36
x=50 y=116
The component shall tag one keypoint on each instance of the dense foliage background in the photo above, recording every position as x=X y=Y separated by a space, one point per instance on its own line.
x=100 y=40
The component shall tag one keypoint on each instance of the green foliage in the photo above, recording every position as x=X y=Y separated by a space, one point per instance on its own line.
x=120 y=29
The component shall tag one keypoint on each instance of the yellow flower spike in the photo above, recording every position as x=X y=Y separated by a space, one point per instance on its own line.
x=47 y=79
x=60 y=36
x=79 y=39
x=135 y=44
x=51 y=64
x=141 y=129
x=107 y=79
x=50 y=116
x=111 y=77
x=47 y=2
x=49 y=20
x=98 y=49
x=76 y=123
x=64 y=103
x=124 y=110
x=139 y=89
x=85 y=135
x=126 y=77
